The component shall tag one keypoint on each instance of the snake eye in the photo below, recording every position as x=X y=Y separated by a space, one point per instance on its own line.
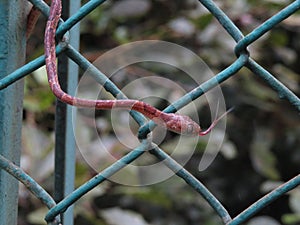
x=190 y=129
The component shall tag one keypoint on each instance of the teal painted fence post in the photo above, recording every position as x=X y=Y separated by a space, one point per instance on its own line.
x=12 y=56
x=65 y=148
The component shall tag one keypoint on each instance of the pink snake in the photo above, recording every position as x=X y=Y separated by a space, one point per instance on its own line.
x=174 y=122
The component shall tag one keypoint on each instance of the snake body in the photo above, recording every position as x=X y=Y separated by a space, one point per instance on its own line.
x=174 y=122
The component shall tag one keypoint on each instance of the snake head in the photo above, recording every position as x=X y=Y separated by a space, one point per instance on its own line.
x=182 y=124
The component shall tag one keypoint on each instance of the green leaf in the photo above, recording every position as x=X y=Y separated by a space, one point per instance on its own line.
x=263 y=160
x=203 y=21
x=290 y=218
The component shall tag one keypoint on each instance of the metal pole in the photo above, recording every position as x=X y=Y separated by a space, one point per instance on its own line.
x=65 y=142
x=12 y=56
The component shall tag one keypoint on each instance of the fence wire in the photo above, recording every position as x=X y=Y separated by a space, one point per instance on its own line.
x=243 y=60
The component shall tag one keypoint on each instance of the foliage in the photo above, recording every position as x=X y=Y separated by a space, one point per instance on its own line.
x=262 y=144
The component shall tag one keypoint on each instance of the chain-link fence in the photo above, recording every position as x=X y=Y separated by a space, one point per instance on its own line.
x=68 y=47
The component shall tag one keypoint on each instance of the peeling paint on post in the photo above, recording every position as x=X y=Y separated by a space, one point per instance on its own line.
x=12 y=56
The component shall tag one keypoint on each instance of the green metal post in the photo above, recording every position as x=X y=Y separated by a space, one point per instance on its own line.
x=65 y=142
x=12 y=56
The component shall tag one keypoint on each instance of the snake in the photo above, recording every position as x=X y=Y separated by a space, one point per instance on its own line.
x=177 y=123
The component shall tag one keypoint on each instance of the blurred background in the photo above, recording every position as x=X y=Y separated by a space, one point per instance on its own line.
x=261 y=149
